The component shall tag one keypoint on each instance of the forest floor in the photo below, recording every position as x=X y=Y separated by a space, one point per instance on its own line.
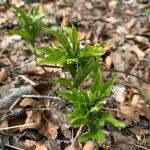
x=40 y=123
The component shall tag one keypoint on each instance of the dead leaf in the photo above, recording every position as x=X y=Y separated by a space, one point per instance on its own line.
x=131 y=111
x=34 y=117
x=49 y=130
x=29 y=102
x=108 y=61
x=140 y=54
x=38 y=146
x=3 y=74
x=90 y=145
x=117 y=61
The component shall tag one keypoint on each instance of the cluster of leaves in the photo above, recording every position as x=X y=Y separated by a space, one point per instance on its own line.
x=79 y=61
x=88 y=105
x=31 y=24
x=88 y=108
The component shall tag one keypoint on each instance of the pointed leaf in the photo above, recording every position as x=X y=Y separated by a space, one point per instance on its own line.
x=92 y=51
x=63 y=40
x=84 y=137
x=23 y=14
x=97 y=134
x=109 y=118
x=65 y=82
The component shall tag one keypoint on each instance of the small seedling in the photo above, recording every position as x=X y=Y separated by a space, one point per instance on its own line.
x=31 y=24
x=88 y=108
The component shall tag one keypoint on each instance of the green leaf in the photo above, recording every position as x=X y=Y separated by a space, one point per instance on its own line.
x=92 y=51
x=84 y=137
x=97 y=134
x=97 y=83
x=75 y=95
x=22 y=33
x=82 y=73
x=109 y=118
x=23 y=14
x=54 y=56
x=63 y=40
x=78 y=117
x=107 y=88
x=76 y=122
x=65 y=82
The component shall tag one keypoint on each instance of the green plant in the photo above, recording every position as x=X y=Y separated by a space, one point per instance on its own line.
x=31 y=24
x=88 y=108
x=68 y=53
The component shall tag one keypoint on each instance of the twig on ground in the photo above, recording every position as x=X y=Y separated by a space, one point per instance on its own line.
x=27 y=80
x=41 y=97
x=127 y=73
x=14 y=127
x=77 y=135
x=14 y=147
x=139 y=146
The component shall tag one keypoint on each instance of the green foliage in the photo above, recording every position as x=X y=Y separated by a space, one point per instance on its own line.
x=31 y=24
x=68 y=53
x=88 y=104
x=88 y=108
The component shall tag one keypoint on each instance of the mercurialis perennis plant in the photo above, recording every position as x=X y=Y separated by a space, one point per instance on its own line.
x=81 y=62
x=88 y=104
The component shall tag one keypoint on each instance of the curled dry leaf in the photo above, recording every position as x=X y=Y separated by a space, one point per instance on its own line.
x=90 y=145
x=140 y=54
x=29 y=102
x=49 y=130
x=117 y=61
x=133 y=110
x=108 y=61
x=34 y=144
x=3 y=74
x=34 y=117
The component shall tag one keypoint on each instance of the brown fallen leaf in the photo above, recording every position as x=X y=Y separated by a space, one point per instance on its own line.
x=108 y=61
x=29 y=102
x=34 y=117
x=34 y=144
x=131 y=111
x=49 y=130
x=117 y=61
x=3 y=74
x=90 y=145
x=140 y=54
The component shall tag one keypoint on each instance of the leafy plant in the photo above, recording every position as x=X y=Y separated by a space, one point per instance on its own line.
x=88 y=104
x=88 y=109
x=31 y=24
x=68 y=53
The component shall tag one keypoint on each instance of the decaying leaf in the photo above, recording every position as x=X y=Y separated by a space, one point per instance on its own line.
x=34 y=117
x=35 y=144
x=49 y=130
x=140 y=54
x=29 y=102
x=131 y=111
x=90 y=145
x=3 y=74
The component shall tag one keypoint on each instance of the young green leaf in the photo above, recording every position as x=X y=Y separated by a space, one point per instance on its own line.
x=84 y=137
x=97 y=134
x=65 y=82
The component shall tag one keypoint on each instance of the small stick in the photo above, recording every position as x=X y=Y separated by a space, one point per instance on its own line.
x=14 y=147
x=27 y=80
x=41 y=96
x=19 y=126
x=139 y=146
x=77 y=135
x=15 y=103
